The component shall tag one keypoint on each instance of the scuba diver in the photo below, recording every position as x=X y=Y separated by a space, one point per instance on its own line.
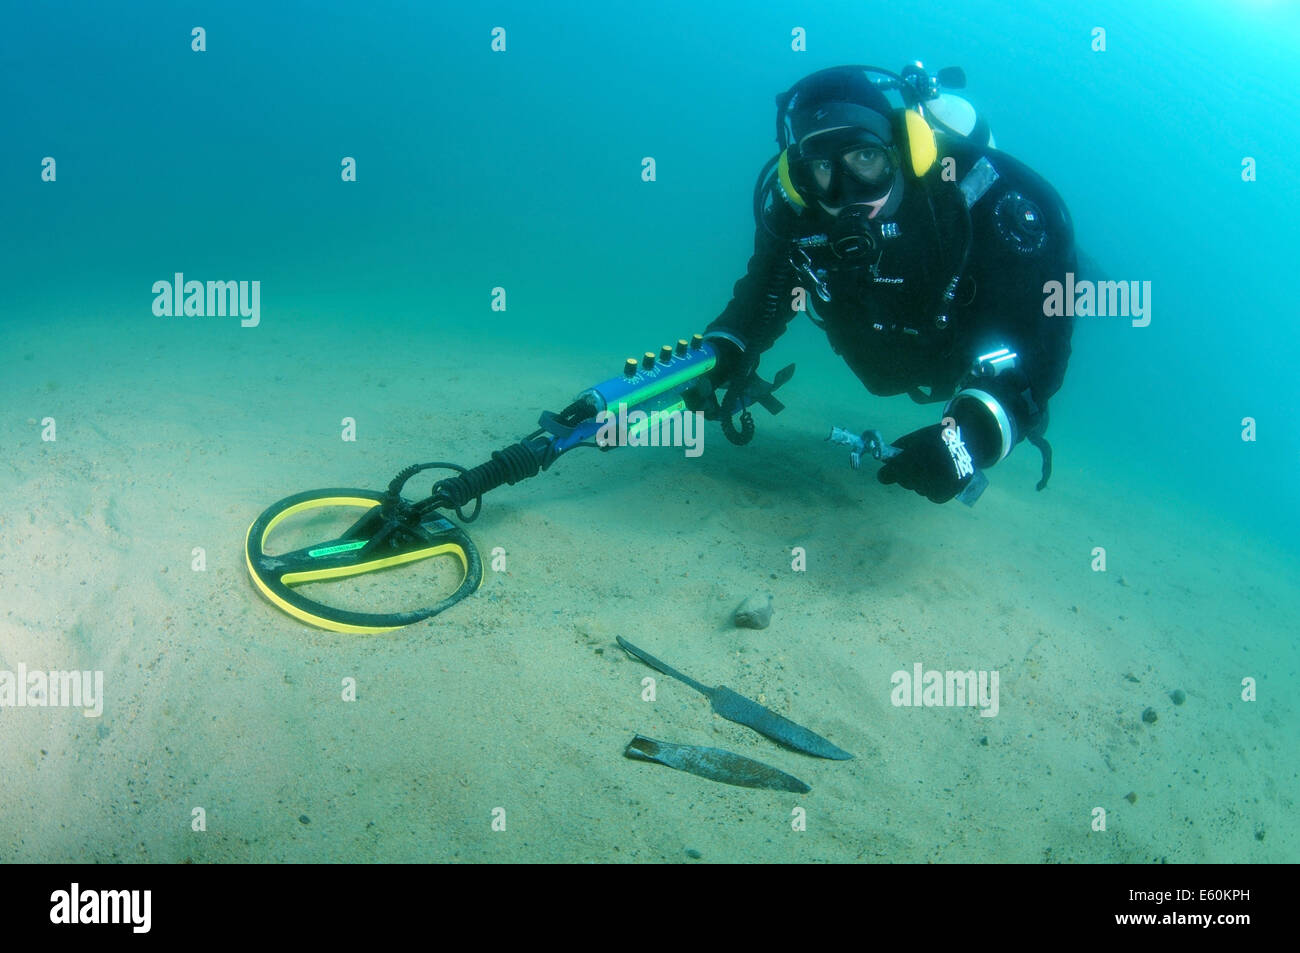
x=923 y=251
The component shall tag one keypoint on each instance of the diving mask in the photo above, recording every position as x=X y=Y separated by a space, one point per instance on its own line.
x=844 y=167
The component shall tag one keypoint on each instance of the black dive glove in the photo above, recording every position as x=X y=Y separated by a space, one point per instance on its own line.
x=731 y=363
x=935 y=462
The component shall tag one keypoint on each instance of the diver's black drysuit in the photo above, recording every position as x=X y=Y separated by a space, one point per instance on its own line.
x=887 y=312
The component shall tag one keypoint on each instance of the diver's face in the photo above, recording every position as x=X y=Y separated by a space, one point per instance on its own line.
x=869 y=164
x=837 y=169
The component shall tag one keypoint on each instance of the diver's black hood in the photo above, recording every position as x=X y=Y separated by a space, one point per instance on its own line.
x=838 y=84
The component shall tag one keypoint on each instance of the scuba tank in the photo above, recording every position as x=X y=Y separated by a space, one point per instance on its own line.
x=955 y=116
x=947 y=112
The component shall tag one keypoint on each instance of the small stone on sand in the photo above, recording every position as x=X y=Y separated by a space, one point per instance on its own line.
x=754 y=613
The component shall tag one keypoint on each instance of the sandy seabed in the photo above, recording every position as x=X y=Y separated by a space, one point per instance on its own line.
x=171 y=442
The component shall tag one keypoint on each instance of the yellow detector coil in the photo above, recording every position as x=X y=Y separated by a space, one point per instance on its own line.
x=390 y=533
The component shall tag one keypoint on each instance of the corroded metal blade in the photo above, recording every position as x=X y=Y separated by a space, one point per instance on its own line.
x=747 y=712
x=714 y=764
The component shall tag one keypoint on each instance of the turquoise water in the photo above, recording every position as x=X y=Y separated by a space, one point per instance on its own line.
x=475 y=168
x=521 y=169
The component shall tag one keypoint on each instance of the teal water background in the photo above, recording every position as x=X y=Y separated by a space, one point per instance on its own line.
x=522 y=170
